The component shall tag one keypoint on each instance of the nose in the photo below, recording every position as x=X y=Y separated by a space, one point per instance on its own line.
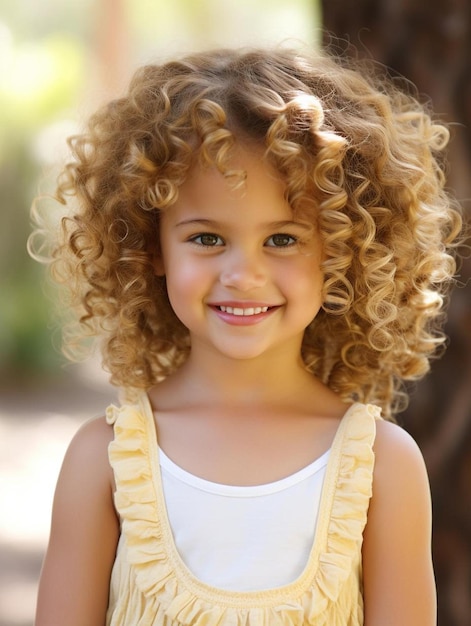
x=243 y=270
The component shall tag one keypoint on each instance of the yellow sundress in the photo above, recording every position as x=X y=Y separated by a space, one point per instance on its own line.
x=150 y=584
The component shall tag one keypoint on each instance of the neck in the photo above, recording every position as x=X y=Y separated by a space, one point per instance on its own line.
x=246 y=381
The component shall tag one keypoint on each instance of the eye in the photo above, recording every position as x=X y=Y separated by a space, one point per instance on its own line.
x=209 y=240
x=281 y=240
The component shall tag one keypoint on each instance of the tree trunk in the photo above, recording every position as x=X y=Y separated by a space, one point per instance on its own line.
x=430 y=44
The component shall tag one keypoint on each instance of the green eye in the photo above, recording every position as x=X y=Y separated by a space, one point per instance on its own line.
x=207 y=239
x=281 y=240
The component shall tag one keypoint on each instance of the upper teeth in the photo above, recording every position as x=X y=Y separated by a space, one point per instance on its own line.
x=249 y=311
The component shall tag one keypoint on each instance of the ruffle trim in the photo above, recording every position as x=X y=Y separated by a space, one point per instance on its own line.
x=182 y=598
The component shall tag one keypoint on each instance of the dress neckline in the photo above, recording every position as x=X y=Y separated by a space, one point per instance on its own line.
x=242 y=491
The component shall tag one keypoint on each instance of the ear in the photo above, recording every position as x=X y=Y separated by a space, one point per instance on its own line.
x=158 y=264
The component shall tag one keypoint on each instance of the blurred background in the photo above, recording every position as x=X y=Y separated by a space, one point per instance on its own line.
x=58 y=61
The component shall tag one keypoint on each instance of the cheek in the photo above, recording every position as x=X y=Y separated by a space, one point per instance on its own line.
x=305 y=277
x=306 y=289
x=185 y=284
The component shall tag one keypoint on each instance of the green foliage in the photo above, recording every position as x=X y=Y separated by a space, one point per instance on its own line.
x=39 y=82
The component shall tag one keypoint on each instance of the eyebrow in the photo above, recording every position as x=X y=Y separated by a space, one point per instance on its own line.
x=269 y=225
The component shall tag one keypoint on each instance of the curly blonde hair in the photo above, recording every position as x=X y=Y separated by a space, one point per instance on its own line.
x=361 y=158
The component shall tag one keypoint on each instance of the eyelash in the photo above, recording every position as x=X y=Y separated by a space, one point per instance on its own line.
x=201 y=236
x=198 y=240
x=293 y=240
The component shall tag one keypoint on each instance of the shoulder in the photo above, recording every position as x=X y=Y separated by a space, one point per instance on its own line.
x=92 y=436
x=85 y=485
x=91 y=439
x=400 y=476
x=86 y=482
x=397 y=456
x=87 y=454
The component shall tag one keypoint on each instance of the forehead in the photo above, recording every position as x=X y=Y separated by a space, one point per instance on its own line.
x=249 y=179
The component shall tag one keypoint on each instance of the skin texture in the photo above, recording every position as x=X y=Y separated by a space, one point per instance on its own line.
x=242 y=410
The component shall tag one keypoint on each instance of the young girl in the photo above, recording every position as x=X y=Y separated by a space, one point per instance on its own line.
x=263 y=240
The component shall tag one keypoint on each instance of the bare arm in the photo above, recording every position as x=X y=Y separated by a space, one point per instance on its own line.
x=399 y=585
x=74 y=583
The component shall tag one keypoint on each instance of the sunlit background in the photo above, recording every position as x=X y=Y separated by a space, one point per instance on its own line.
x=58 y=61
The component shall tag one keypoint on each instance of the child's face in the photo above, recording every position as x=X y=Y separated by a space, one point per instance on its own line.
x=235 y=275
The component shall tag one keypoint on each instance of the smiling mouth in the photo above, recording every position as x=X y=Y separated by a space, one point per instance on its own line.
x=243 y=312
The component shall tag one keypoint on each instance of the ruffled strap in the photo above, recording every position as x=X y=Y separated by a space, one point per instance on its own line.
x=135 y=498
x=320 y=596
x=344 y=506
